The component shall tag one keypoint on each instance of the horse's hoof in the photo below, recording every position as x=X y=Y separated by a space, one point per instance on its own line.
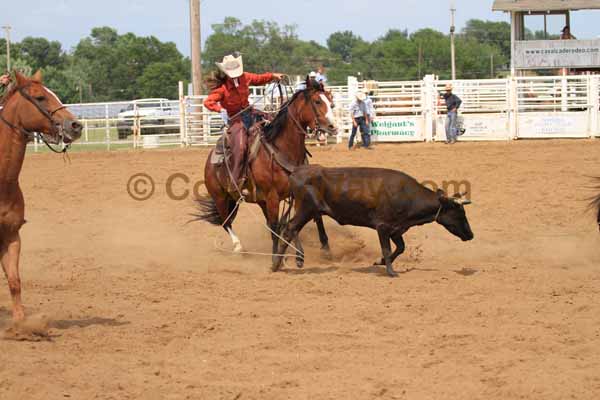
x=391 y=273
x=300 y=263
x=18 y=315
x=238 y=248
x=326 y=255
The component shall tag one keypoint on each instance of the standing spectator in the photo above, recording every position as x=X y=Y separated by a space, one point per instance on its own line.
x=321 y=77
x=566 y=34
x=359 y=111
x=302 y=85
x=453 y=103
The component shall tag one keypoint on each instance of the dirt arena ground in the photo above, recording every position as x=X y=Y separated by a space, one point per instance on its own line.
x=142 y=306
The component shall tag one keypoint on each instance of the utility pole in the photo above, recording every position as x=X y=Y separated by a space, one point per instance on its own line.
x=7 y=29
x=492 y=66
x=420 y=61
x=196 y=42
x=452 y=50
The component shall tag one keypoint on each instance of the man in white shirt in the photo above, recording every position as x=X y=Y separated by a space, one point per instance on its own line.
x=361 y=112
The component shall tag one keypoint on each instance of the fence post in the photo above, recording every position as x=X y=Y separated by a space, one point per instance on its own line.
x=107 y=126
x=564 y=96
x=429 y=99
x=205 y=124
x=513 y=107
x=594 y=96
x=86 y=131
x=182 y=116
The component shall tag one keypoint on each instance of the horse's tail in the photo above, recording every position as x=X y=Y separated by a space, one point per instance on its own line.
x=207 y=211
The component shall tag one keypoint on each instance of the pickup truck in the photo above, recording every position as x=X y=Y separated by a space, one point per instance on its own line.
x=156 y=116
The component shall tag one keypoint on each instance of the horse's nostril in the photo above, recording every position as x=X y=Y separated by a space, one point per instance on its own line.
x=76 y=126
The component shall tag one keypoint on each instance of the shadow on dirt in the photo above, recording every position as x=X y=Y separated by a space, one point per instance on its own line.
x=87 y=322
x=309 y=271
x=380 y=270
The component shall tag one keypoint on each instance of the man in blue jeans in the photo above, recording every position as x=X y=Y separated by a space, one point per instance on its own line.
x=453 y=103
x=360 y=113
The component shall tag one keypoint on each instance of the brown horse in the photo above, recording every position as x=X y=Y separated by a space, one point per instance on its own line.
x=281 y=149
x=28 y=107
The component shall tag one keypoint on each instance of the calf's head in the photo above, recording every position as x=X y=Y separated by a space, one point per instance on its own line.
x=453 y=217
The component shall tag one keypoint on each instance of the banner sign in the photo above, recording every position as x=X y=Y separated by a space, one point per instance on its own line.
x=478 y=127
x=546 y=125
x=397 y=129
x=539 y=54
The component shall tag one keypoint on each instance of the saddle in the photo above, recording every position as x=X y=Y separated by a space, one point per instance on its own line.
x=256 y=141
x=222 y=149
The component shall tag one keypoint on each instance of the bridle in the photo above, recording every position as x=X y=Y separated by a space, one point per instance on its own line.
x=316 y=115
x=49 y=115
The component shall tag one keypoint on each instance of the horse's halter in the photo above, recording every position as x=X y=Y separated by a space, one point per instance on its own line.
x=49 y=115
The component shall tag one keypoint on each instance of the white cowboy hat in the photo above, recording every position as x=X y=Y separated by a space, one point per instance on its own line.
x=449 y=86
x=232 y=66
x=361 y=95
x=312 y=74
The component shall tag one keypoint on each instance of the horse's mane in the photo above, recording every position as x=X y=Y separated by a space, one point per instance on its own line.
x=13 y=88
x=274 y=129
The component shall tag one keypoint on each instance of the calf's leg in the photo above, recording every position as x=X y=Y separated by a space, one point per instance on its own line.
x=322 y=234
x=299 y=252
x=400 y=246
x=384 y=241
x=301 y=218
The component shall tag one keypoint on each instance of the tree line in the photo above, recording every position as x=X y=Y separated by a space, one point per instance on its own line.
x=108 y=66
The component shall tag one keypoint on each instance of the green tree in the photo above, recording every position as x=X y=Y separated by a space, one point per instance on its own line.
x=160 y=79
x=265 y=46
x=489 y=32
x=41 y=53
x=343 y=43
x=113 y=62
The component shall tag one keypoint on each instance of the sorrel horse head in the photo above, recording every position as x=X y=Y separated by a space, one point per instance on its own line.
x=282 y=148
x=28 y=107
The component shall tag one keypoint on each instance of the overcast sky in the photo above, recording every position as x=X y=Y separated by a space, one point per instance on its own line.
x=70 y=20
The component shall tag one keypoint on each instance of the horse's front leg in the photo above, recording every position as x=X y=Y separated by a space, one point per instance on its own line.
x=272 y=214
x=9 y=257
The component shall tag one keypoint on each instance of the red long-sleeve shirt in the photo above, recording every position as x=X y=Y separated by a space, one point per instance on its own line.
x=235 y=99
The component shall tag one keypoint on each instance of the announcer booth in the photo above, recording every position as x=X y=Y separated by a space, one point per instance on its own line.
x=555 y=73
x=565 y=54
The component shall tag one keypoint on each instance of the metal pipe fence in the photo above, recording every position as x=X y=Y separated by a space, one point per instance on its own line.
x=492 y=109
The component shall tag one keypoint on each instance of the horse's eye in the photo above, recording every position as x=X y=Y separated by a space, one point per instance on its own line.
x=41 y=98
x=319 y=102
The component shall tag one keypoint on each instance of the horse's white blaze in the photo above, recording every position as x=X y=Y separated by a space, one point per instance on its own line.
x=329 y=114
x=237 y=243
x=53 y=94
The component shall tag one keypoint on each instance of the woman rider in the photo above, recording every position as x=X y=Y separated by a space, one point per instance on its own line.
x=229 y=96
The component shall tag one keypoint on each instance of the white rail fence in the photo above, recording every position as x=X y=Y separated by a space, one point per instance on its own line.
x=411 y=111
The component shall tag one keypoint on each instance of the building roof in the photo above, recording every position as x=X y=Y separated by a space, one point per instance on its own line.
x=544 y=5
